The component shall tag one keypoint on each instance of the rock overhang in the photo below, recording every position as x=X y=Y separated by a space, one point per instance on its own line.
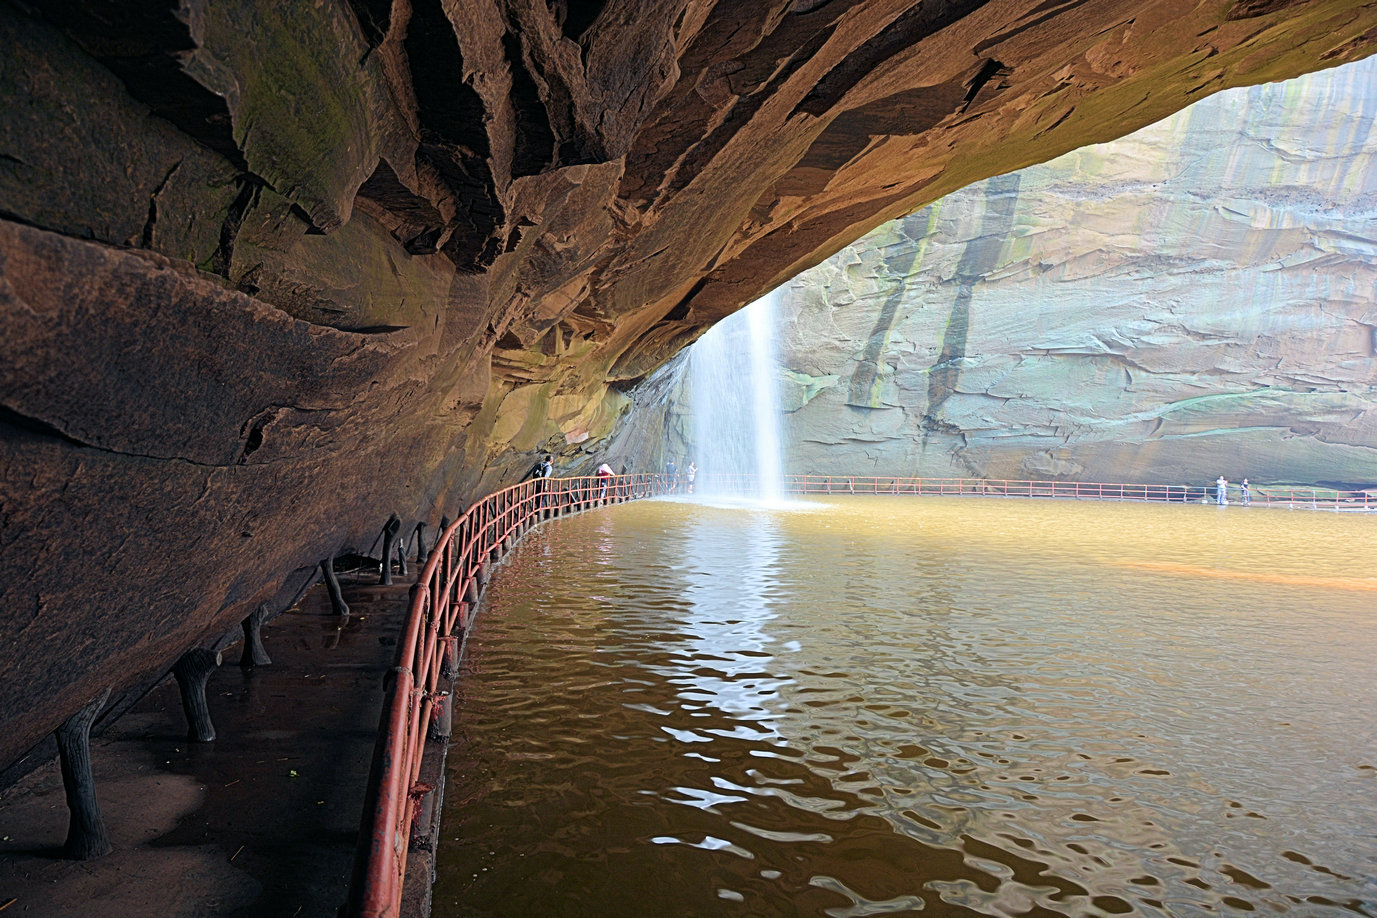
x=270 y=276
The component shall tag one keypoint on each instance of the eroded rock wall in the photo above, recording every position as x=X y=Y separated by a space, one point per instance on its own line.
x=269 y=273
x=1199 y=297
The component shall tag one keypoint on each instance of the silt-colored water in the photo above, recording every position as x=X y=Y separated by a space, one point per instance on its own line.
x=921 y=706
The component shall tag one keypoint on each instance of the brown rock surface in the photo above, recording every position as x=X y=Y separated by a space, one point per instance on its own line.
x=271 y=273
x=1193 y=299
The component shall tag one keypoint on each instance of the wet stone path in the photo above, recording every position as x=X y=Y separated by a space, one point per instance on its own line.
x=262 y=822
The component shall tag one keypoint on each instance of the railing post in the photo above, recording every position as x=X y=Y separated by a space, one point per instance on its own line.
x=447 y=559
x=376 y=884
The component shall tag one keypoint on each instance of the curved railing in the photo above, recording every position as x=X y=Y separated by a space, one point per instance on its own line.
x=440 y=611
x=461 y=562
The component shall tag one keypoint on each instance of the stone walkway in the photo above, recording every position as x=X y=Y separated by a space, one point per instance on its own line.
x=262 y=822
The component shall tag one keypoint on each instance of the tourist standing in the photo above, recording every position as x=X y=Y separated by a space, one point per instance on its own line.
x=548 y=470
x=1247 y=495
x=692 y=474
x=672 y=473
x=539 y=470
x=1221 y=491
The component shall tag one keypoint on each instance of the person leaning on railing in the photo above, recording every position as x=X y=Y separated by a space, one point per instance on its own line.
x=604 y=474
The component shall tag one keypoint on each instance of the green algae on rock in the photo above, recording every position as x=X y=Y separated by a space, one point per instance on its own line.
x=271 y=273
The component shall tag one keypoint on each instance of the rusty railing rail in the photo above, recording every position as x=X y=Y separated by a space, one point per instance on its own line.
x=440 y=612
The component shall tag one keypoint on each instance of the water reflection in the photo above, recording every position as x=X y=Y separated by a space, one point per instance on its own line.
x=882 y=707
x=722 y=652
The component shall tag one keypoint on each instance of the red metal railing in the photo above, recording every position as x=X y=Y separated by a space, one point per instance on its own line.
x=1268 y=496
x=440 y=612
x=460 y=564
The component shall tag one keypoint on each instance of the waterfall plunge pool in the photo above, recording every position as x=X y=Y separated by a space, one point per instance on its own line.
x=920 y=706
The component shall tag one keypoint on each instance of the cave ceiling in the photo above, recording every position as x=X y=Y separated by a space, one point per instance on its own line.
x=271 y=273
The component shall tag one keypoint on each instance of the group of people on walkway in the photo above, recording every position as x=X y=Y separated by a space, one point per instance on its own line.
x=541 y=471
x=1221 y=492
x=545 y=468
x=672 y=472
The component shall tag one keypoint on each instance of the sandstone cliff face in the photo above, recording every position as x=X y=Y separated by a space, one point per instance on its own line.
x=272 y=272
x=1199 y=297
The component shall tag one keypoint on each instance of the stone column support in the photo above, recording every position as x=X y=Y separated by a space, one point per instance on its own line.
x=193 y=671
x=422 y=556
x=390 y=531
x=254 y=654
x=86 y=838
x=327 y=570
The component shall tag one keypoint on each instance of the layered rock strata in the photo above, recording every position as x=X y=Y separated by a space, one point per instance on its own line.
x=272 y=273
x=1196 y=298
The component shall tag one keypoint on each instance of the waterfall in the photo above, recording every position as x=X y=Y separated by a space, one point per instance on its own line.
x=735 y=404
x=760 y=319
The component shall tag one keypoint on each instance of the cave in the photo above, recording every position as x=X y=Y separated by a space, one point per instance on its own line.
x=274 y=276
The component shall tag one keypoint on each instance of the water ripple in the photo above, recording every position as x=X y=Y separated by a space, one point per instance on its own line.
x=953 y=707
